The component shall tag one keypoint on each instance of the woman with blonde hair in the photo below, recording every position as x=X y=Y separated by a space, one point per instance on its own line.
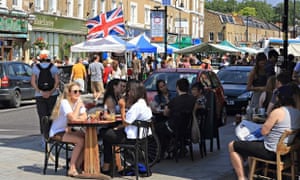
x=69 y=107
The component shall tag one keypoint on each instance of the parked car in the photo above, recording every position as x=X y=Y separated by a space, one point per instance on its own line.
x=193 y=75
x=15 y=84
x=234 y=80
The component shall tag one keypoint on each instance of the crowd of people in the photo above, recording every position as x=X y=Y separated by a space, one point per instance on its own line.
x=278 y=94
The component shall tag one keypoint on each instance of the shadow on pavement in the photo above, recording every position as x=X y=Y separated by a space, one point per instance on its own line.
x=215 y=166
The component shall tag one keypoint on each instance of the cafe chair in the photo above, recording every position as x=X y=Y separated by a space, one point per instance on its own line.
x=137 y=147
x=182 y=135
x=54 y=144
x=202 y=118
x=285 y=159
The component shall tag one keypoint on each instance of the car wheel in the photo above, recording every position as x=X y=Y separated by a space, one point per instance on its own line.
x=16 y=100
x=224 y=115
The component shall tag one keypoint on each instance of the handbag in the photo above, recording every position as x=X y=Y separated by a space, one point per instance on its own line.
x=195 y=136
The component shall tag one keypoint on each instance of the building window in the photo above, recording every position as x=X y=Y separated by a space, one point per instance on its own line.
x=94 y=8
x=133 y=12
x=113 y=4
x=17 y=4
x=70 y=8
x=147 y=15
x=80 y=8
x=195 y=26
x=211 y=37
x=102 y=6
x=39 y=5
x=3 y=3
x=52 y=6
x=220 y=36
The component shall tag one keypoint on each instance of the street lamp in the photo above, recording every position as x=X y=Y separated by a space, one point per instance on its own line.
x=294 y=20
x=247 y=27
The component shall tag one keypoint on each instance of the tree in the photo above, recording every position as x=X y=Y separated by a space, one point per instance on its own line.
x=248 y=11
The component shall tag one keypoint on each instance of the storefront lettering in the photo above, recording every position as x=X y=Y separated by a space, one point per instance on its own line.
x=42 y=21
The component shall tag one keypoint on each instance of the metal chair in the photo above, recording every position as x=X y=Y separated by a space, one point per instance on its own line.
x=55 y=143
x=285 y=158
x=182 y=133
x=138 y=147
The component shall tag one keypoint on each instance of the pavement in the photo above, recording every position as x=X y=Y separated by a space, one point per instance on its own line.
x=22 y=157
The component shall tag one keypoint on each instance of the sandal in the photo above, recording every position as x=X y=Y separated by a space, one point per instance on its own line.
x=72 y=173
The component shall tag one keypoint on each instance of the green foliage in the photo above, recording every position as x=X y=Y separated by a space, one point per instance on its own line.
x=248 y=11
x=263 y=10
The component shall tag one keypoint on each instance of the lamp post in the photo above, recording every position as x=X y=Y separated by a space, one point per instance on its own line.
x=285 y=32
x=294 y=20
x=247 y=27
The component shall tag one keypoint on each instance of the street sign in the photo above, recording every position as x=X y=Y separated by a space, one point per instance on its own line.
x=166 y=2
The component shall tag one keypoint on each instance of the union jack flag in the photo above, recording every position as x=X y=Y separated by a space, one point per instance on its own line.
x=111 y=22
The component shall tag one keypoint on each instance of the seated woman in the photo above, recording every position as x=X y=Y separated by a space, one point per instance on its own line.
x=286 y=116
x=139 y=110
x=197 y=91
x=160 y=101
x=111 y=97
x=69 y=107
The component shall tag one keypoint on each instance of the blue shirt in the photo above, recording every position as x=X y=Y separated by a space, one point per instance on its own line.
x=36 y=71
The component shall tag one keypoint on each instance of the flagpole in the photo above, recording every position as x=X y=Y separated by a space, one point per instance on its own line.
x=166 y=32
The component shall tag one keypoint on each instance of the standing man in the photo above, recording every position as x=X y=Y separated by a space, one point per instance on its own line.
x=272 y=60
x=136 y=66
x=45 y=86
x=95 y=71
x=79 y=73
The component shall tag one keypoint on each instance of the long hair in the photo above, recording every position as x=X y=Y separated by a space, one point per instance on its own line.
x=259 y=57
x=64 y=95
x=271 y=84
x=110 y=92
x=157 y=85
x=138 y=92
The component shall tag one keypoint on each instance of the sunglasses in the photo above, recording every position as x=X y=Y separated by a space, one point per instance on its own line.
x=76 y=91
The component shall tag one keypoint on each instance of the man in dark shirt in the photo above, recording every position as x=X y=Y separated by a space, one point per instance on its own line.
x=272 y=60
x=184 y=102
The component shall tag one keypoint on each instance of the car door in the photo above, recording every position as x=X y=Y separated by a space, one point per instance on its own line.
x=22 y=79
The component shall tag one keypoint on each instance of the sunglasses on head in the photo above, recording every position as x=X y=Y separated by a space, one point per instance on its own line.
x=76 y=91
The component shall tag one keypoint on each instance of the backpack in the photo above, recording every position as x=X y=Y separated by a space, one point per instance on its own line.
x=45 y=80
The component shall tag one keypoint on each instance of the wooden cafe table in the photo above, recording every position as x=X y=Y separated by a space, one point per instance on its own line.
x=91 y=150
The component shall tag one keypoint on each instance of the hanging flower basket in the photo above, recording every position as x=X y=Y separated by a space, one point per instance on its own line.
x=67 y=44
x=40 y=43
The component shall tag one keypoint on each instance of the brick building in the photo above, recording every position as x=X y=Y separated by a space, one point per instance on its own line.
x=239 y=30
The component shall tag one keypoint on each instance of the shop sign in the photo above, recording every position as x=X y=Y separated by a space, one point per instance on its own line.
x=13 y=24
x=58 y=23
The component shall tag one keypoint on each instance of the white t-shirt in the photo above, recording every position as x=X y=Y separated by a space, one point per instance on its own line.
x=60 y=124
x=138 y=111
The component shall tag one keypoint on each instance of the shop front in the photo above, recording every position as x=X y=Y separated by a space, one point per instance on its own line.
x=13 y=35
x=56 y=34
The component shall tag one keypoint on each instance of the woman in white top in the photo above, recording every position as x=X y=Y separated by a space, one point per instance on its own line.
x=139 y=110
x=69 y=107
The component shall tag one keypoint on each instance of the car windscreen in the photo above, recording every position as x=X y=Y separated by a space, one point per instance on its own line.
x=170 y=78
x=233 y=77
